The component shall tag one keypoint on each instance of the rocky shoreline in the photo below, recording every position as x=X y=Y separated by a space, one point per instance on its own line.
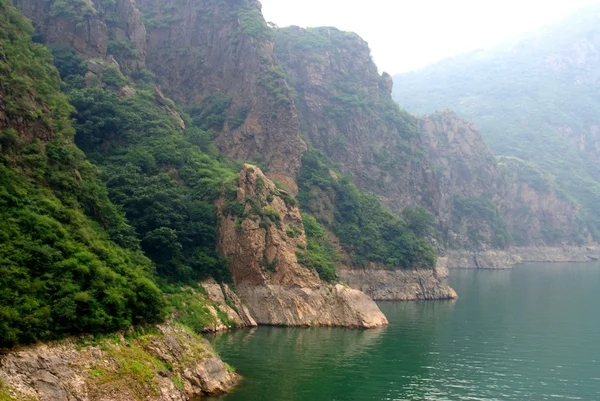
x=506 y=259
x=401 y=285
x=165 y=363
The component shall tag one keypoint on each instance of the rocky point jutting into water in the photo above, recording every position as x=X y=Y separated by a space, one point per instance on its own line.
x=261 y=239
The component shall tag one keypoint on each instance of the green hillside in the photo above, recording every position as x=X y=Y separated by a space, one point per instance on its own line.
x=69 y=262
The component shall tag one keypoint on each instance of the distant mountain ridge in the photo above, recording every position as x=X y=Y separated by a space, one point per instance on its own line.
x=535 y=98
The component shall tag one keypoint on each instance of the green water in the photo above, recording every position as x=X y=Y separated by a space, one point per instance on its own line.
x=532 y=333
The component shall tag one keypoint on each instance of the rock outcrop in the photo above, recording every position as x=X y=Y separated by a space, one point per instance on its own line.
x=94 y=29
x=166 y=364
x=438 y=161
x=261 y=242
x=206 y=49
x=228 y=302
x=271 y=84
x=401 y=285
x=506 y=259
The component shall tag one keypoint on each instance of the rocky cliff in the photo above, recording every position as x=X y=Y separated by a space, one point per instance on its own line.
x=163 y=363
x=401 y=285
x=94 y=29
x=506 y=259
x=211 y=55
x=439 y=161
x=261 y=233
x=534 y=97
x=259 y=87
x=208 y=50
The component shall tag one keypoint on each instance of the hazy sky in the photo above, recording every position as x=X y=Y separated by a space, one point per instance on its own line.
x=407 y=35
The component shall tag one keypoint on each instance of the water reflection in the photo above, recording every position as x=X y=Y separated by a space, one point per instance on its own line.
x=529 y=333
x=298 y=360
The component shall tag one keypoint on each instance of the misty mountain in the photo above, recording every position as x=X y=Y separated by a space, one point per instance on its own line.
x=535 y=98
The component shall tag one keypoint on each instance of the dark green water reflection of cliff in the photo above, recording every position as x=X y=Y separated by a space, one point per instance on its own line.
x=532 y=333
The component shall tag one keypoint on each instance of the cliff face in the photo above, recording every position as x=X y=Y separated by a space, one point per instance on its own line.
x=93 y=30
x=535 y=98
x=260 y=232
x=345 y=109
x=401 y=285
x=439 y=161
x=203 y=49
x=203 y=53
x=167 y=363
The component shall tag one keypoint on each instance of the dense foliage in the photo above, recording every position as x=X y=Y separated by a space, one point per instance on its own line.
x=320 y=254
x=535 y=99
x=473 y=210
x=165 y=181
x=366 y=229
x=61 y=271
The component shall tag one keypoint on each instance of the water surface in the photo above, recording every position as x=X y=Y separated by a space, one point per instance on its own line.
x=531 y=333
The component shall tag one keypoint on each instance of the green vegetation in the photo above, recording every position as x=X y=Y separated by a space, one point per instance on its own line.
x=320 y=254
x=74 y=10
x=252 y=23
x=215 y=110
x=61 y=270
x=535 y=98
x=368 y=232
x=72 y=68
x=4 y=395
x=166 y=182
x=113 y=77
x=131 y=364
x=123 y=48
x=273 y=79
x=478 y=211
x=190 y=308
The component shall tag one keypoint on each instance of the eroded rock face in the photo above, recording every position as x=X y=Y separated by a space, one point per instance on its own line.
x=71 y=370
x=327 y=305
x=261 y=246
x=93 y=30
x=401 y=285
x=506 y=259
x=201 y=48
x=229 y=303
x=436 y=161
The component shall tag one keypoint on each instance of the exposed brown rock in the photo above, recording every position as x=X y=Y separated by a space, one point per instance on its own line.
x=344 y=108
x=89 y=33
x=126 y=91
x=269 y=280
x=205 y=50
x=328 y=305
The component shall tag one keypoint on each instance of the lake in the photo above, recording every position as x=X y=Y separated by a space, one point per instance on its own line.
x=531 y=333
